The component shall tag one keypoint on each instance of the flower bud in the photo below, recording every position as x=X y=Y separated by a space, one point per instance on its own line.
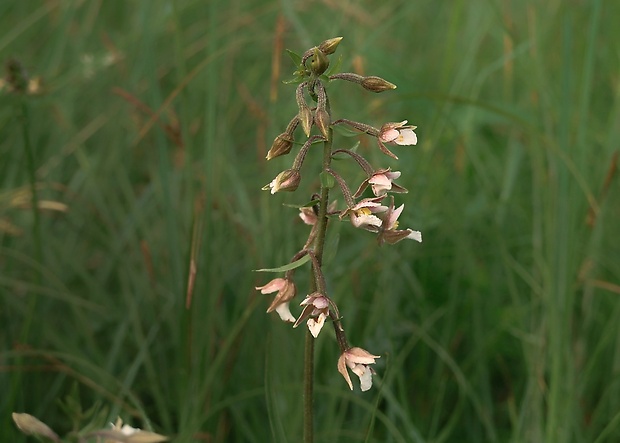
x=322 y=121
x=377 y=84
x=305 y=117
x=33 y=426
x=305 y=114
x=287 y=180
x=329 y=46
x=281 y=145
x=319 y=63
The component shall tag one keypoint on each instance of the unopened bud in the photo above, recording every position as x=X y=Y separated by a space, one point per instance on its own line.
x=319 y=63
x=305 y=114
x=377 y=84
x=33 y=426
x=287 y=180
x=282 y=145
x=305 y=117
x=322 y=121
x=329 y=46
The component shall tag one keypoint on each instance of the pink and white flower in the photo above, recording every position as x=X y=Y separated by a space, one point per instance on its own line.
x=388 y=233
x=362 y=214
x=396 y=133
x=357 y=359
x=286 y=290
x=381 y=181
x=308 y=216
x=316 y=310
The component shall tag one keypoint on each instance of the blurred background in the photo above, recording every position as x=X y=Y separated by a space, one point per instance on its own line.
x=132 y=145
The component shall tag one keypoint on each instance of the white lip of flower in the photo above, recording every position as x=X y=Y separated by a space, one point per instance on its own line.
x=398 y=133
x=362 y=218
x=357 y=359
x=140 y=435
x=128 y=430
x=315 y=326
x=284 y=311
x=415 y=235
x=361 y=214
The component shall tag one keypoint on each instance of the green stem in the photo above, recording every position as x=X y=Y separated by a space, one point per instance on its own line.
x=322 y=218
x=319 y=246
x=309 y=388
x=34 y=202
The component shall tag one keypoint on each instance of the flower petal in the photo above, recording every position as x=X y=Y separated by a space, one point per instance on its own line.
x=315 y=326
x=365 y=221
x=284 y=312
x=274 y=285
x=365 y=377
x=342 y=368
x=389 y=135
x=415 y=235
x=406 y=137
x=308 y=216
x=359 y=355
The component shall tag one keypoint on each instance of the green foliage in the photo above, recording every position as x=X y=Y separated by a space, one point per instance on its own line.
x=147 y=144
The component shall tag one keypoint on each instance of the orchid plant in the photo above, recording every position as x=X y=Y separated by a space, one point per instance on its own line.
x=376 y=214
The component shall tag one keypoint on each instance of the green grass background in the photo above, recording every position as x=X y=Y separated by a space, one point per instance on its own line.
x=502 y=326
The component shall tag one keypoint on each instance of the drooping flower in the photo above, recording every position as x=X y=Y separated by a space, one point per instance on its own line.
x=381 y=181
x=357 y=359
x=316 y=310
x=396 y=133
x=388 y=232
x=286 y=290
x=308 y=215
x=362 y=213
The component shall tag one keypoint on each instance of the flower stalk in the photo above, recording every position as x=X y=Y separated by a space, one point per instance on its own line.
x=368 y=213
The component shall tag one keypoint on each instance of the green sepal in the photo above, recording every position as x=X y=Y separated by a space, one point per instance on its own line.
x=294 y=56
x=333 y=68
x=296 y=264
x=310 y=204
x=343 y=156
x=294 y=81
x=327 y=181
x=346 y=130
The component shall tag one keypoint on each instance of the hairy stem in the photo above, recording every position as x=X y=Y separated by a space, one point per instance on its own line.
x=319 y=246
x=309 y=388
